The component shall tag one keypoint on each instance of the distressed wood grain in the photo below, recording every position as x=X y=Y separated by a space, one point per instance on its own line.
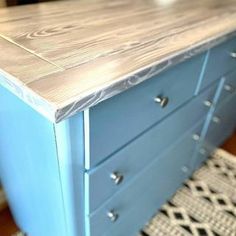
x=73 y=54
x=22 y=64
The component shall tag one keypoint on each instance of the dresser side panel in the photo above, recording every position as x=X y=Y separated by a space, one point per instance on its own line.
x=70 y=146
x=29 y=168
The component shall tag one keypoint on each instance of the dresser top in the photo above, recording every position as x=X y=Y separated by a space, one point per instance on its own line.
x=63 y=57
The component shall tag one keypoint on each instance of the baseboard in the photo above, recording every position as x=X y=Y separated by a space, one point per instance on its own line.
x=3 y=202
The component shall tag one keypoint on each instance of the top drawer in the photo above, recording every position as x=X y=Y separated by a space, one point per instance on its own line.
x=118 y=120
x=221 y=60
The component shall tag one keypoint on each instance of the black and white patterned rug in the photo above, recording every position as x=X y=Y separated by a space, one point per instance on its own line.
x=204 y=206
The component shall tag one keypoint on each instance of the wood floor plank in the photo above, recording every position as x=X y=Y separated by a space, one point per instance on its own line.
x=230 y=144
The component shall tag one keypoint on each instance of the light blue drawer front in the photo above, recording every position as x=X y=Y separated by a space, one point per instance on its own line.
x=135 y=204
x=133 y=158
x=120 y=119
x=229 y=87
x=220 y=61
x=222 y=124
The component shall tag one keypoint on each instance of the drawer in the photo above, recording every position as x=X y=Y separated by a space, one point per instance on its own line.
x=116 y=121
x=221 y=126
x=127 y=211
x=222 y=123
x=112 y=174
x=221 y=60
x=229 y=87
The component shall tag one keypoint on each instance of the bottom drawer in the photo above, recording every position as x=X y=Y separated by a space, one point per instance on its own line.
x=128 y=210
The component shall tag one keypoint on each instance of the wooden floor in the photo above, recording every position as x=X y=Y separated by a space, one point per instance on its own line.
x=230 y=145
x=8 y=227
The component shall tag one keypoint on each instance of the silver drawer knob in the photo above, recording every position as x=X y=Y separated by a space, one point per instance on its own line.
x=163 y=101
x=185 y=169
x=117 y=177
x=228 y=88
x=216 y=119
x=112 y=216
x=233 y=54
x=196 y=137
x=202 y=151
x=208 y=103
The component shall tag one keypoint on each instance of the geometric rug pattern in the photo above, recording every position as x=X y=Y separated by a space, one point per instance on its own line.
x=204 y=206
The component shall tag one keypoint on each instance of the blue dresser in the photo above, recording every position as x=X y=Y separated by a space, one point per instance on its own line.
x=106 y=170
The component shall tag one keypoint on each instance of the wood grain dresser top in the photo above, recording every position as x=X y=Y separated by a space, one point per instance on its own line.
x=63 y=57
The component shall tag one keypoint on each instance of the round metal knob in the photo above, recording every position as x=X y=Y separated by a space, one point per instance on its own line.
x=163 y=101
x=228 y=88
x=233 y=54
x=117 y=177
x=216 y=119
x=112 y=216
x=185 y=169
x=208 y=103
x=196 y=137
x=202 y=151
